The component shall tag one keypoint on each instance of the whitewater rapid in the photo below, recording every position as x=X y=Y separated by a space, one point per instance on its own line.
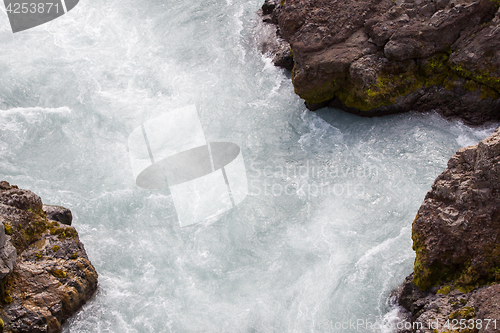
x=322 y=237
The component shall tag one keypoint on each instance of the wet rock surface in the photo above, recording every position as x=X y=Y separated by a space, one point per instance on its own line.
x=271 y=42
x=52 y=276
x=375 y=57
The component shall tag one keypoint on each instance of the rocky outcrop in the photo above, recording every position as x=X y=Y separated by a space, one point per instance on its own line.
x=58 y=213
x=441 y=309
x=271 y=42
x=456 y=237
x=374 y=57
x=52 y=276
x=456 y=234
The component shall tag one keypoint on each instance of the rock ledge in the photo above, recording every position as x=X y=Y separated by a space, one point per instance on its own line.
x=375 y=57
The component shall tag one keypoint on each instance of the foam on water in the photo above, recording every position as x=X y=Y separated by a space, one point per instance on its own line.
x=323 y=236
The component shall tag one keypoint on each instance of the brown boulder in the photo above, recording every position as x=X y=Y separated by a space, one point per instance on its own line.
x=456 y=234
x=52 y=276
x=374 y=57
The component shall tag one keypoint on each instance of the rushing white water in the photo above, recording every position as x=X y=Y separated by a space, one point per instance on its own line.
x=325 y=232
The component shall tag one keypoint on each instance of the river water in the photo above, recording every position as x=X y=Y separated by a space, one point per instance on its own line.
x=324 y=233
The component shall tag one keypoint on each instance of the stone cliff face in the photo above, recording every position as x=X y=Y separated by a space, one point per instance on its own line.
x=46 y=274
x=456 y=237
x=374 y=57
x=456 y=234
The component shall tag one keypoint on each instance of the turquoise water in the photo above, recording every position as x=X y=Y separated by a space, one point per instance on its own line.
x=324 y=234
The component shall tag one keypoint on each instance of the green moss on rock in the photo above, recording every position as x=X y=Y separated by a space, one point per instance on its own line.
x=59 y=273
x=464 y=313
x=383 y=92
x=393 y=84
x=481 y=76
x=34 y=230
x=430 y=275
x=320 y=93
x=445 y=290
x=8 y=229
x=7 y=298
x=466 y=277
x=62 y=232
